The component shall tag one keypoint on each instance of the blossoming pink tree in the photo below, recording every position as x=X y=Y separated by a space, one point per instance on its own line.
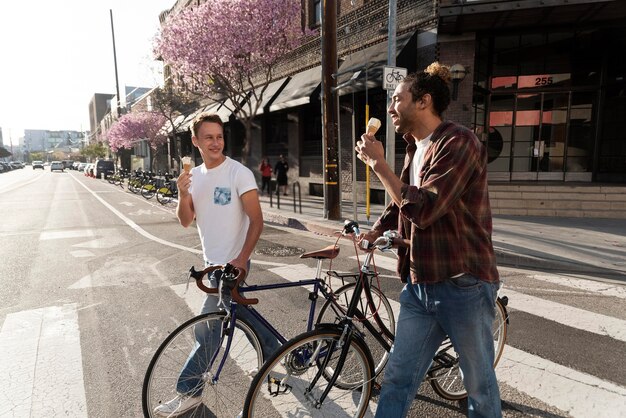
x=228 y=49
x=132 y=128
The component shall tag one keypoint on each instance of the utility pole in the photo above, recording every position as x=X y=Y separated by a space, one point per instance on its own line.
x=330 y=131
x=117 y=84
x=390 y=147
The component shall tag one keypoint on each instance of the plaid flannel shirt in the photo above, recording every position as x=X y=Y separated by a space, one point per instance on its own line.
x=447 y=218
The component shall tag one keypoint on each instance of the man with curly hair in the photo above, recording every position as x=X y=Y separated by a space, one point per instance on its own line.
x=441 y=209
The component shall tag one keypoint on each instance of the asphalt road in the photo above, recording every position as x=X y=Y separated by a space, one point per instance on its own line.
x=93 y=279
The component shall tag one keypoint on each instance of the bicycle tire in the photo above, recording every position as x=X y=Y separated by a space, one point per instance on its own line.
x=148 y=191
x=223 y=397
x=449 y=383
x=133 y=186
x=329 y=314
x=287 y=361
x=164 y=195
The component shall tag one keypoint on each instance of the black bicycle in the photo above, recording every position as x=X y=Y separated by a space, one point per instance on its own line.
x=330 y=371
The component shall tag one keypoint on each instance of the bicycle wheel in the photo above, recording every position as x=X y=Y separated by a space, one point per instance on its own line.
x=133 y=186
x=147 y=190
x=164 y=195
x=335 y=312
x=447 y=381
x=290 y=383
x=222 y=395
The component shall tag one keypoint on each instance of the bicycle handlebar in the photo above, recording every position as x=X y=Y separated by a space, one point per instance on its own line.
x=233 y=284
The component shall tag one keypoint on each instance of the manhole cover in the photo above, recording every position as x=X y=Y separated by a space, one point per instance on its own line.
x=279 y=251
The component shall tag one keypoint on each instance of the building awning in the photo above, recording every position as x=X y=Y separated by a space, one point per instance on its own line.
x=299 y=89
x=490 y=15
x=191 y=116
x=268 y=95
x=366 y=66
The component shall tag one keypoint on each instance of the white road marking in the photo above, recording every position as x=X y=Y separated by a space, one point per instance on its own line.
x=136 y=227
x=606 y=289
x=129 y=204
x=380 y=261
x=64 y=234
x=41 y=364
x=568 y=315
x=123 y=271
x=82 y=253
x=579 y=394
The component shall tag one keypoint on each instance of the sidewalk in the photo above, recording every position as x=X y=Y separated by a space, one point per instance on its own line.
x=595 y=247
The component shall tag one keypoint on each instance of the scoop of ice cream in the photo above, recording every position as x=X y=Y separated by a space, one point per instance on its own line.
x=372 y=126
x=186 y=163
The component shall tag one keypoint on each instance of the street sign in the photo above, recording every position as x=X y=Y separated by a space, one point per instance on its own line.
x=392 y=76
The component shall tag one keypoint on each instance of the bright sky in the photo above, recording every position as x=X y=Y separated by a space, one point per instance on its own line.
x=54 y=55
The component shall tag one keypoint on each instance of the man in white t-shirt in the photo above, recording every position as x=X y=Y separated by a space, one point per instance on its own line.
x=221 y=195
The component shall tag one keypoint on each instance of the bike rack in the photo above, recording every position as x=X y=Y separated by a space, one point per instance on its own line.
x=293 y=191
x=277 y=196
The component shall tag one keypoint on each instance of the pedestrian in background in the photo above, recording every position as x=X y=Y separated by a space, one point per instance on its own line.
x=266 y=174
x=281 y=169
x=441 y=205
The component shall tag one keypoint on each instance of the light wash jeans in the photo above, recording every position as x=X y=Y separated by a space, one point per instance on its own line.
x=462 y=308
x=208 y=338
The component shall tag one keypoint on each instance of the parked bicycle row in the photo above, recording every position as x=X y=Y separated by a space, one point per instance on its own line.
x=146 y=183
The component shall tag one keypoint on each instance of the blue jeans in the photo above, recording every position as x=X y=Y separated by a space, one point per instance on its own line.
x=208 y=339
x=463 y=309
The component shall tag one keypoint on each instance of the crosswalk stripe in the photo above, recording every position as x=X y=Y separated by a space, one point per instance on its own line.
x=41 y=364
x=579 y=394
x=606 y=289
x=380 y=261
x=568 y=315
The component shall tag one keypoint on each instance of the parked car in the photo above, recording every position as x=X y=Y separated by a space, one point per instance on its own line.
x=75 y=165
x=105 y=167
x=4 y=167
x=67 y=163
x=56 y=165
x=37 y=164
x=81 y=167
x=17 y=164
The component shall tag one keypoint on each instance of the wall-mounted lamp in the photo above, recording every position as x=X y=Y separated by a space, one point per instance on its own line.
x=458 y=73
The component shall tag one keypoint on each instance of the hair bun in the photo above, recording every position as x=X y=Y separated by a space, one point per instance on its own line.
x=440 y=70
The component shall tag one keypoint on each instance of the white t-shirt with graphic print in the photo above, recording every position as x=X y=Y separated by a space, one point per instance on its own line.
x=222 y=222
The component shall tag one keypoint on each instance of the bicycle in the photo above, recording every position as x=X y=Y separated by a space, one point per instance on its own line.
x=237 y=352
x=149 y=186
x=330 y=371
x=168 y=191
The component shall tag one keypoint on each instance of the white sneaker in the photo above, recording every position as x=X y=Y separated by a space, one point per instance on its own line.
x=253 y=372
x=178 y=406
x=239 y=415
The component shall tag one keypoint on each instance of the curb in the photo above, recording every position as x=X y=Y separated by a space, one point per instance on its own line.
x=504 y=257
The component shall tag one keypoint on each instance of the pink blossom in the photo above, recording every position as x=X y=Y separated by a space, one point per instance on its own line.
x=134 y=127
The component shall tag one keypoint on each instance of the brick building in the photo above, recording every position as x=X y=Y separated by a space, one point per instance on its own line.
x=539 y=81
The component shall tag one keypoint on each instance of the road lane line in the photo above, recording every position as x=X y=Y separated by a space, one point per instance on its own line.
x=136 y=227
x=567 y=315
x=579 y=394
x=148 y=235
x=41 y=364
